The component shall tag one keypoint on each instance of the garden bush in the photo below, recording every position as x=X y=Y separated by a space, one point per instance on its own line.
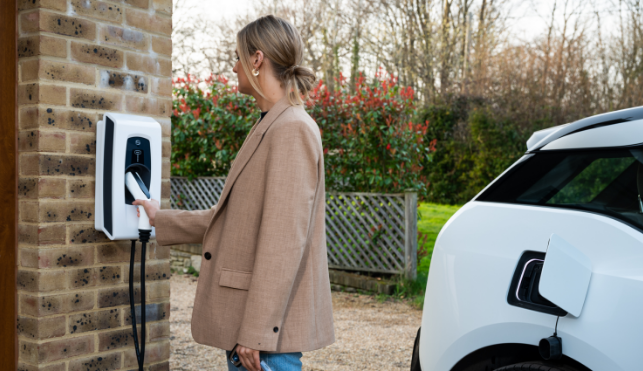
x=370 y=142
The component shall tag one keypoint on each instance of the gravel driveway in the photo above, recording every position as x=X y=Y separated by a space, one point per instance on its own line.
x=369 y=335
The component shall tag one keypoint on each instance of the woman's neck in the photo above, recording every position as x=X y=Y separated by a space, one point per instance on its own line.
x=272 y=91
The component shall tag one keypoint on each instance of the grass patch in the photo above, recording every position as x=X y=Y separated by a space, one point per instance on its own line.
x=431 y=219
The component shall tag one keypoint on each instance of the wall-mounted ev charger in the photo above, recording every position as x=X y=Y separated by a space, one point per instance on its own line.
x=128 y=168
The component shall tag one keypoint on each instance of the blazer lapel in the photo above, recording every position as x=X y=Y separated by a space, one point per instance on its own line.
x=248 y=149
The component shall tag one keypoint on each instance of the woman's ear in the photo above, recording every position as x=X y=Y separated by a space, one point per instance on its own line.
x=257 y=60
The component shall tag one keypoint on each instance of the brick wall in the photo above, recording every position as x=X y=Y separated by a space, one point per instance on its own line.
x=78 y=59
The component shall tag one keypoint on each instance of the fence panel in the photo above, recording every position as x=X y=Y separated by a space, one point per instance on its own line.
x=364 y=231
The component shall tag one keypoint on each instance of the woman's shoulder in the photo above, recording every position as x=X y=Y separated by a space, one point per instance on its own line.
x=296 y=120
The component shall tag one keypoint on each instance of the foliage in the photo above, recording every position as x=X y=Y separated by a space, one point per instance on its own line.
x=208 y=126
x=370 y=143
x=472 y=147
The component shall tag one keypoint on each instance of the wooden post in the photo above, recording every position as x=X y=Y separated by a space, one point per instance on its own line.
x=410 y=234
x=9 y=183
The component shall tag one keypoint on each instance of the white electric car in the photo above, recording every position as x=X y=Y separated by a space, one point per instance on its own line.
x=543 y=269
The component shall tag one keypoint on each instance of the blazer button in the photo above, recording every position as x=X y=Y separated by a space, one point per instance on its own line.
x=207 y=256
x=276 y=329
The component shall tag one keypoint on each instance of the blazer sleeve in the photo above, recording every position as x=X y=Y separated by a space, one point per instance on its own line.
x=291 y=184
x=175 y=227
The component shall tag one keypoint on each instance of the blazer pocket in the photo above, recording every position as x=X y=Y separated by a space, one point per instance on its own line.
x=235 y=279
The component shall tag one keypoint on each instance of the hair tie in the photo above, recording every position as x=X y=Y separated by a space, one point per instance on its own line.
x=291 y=70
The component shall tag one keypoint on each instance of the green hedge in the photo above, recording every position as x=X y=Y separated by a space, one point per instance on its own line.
x=370 y=142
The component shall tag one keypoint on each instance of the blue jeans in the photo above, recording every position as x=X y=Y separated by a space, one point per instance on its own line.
x=276 y=361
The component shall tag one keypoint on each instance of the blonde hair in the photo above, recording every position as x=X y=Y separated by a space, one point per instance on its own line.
x=281 y=43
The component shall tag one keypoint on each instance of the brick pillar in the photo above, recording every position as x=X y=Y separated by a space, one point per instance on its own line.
x=79 y=59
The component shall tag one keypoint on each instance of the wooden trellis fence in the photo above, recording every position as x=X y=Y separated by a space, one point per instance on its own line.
x=364 y=231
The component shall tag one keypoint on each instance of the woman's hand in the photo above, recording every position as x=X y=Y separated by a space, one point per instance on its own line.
x=151 y=207
x=249 y=358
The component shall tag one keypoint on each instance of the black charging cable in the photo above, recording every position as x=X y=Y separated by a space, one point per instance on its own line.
x=144 y=236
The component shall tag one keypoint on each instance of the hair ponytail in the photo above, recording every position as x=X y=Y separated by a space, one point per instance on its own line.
x=281 y=43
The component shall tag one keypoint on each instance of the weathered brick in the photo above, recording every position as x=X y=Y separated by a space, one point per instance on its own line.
x=163 y=366
x=116 y=252
x=165 y=67
x=103 y=362
x=165 y=107
x=58 y=165
x=123 y=37
x=144 y=4
x=163 y=6
x=154 y=352
x=39 y=141
x=62 y=257
x=85 y=233
x=40 y=305
x=157 y=290
x=37 y=281
x=59 y=118
x=159 y=270
x=65 y=211
x=41 y=20
x=81 y=188
x=98 y=10
x=162 y=45
x=35 y=45
x=82 y=278
x=51 y=188
x=142 y=105
x=91 y=99
x=116 y=339
x=165 y=204
x=28 y=187
x=149 y=22
x=123 y=81
x=143 y=63
x=55 y=304
x=44 y=328
x=92 y=321
x=166 y=127
x=28 y=212
x=96 y=54
x=156 y=251
x=82 y=143
x=161 y=86
x=53 y=367
x=158 y=331
x=166 y=189
x=56 y=349
x=109 y=275
x=39 y=93
x=60 y=5
x=153 y=312
x=113 y=297
x=51 y=234
x=165 y=169
x=28 y=164
x=57 y=71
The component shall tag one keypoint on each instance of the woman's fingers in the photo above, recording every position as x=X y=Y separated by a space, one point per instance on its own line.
x=257 y=360
x=249 y=358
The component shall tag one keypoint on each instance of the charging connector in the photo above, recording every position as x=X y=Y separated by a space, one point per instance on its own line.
x=137 y=188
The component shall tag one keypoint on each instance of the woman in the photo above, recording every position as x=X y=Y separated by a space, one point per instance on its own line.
x=263 y=285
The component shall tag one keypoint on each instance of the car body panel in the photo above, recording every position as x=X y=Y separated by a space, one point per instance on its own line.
x=566 y=275
x=474 y=260
x=621 y=135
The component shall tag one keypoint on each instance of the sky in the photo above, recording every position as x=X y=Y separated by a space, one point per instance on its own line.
x=528 y=17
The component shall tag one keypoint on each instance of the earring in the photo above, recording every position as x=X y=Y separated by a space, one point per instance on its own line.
x=255 y=72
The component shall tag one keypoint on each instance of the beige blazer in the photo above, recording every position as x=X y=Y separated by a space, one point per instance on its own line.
x=264 y=277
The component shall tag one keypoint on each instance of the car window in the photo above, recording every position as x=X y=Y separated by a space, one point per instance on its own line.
x=599 y=181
